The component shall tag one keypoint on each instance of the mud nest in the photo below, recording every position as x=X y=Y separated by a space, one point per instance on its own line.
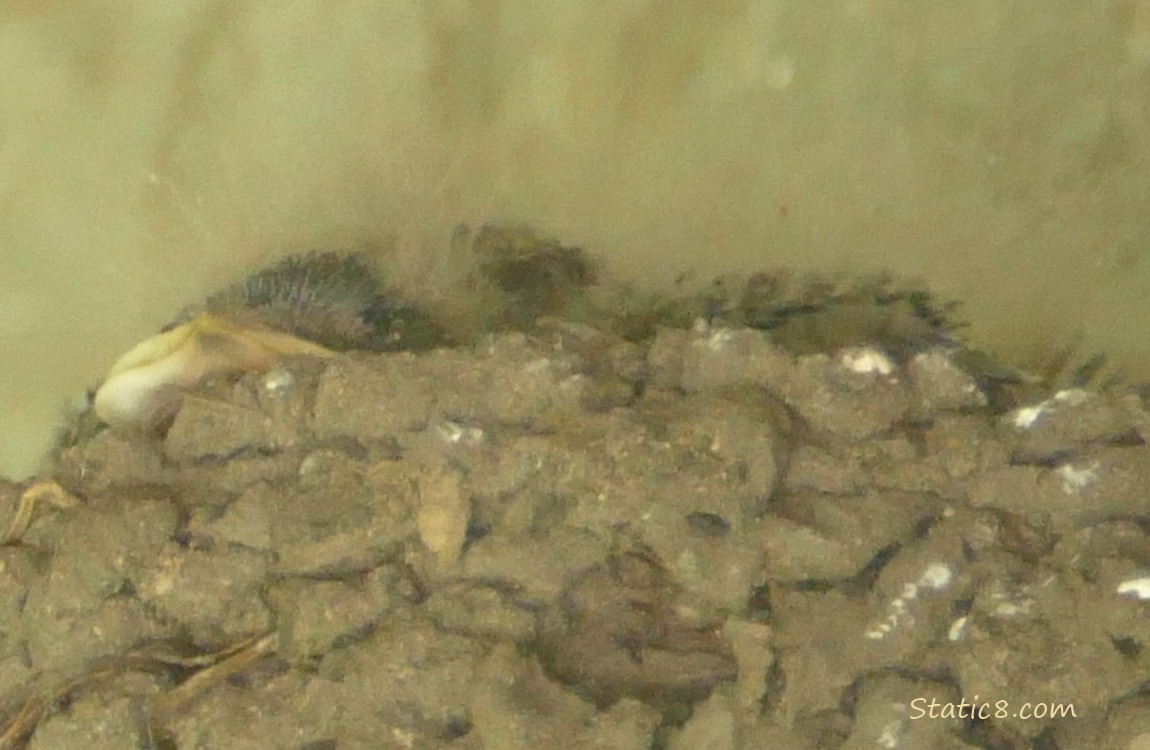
x=652 y=524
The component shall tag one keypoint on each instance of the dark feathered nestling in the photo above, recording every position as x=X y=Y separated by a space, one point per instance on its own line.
x=333 y=299
x=310 y=305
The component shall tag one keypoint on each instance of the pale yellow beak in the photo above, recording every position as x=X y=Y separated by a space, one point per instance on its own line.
x=146 y=385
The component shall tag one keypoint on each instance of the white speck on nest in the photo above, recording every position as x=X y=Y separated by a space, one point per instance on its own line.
x=890 y=735
x=1073 y=396
x=278 y=382
x=719 y=339
x=457 y=434
x=866 y=361
x=1028 y=416
x=937 y=576
x=1011 y=609
x=1075 y=480
x=1138 y=588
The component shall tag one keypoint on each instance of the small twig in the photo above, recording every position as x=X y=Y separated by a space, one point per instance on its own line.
x=220 y=666
x=41 y=491
x=165 y=705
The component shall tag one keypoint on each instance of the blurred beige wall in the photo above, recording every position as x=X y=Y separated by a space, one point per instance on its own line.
x=149 y=151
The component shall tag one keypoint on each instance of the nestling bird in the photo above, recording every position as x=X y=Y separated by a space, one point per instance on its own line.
x=315 y=305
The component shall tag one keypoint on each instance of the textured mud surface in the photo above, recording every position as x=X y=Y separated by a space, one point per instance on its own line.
x=567 y=539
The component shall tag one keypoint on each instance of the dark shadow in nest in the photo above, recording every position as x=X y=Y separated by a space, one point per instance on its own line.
x=527 y=277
